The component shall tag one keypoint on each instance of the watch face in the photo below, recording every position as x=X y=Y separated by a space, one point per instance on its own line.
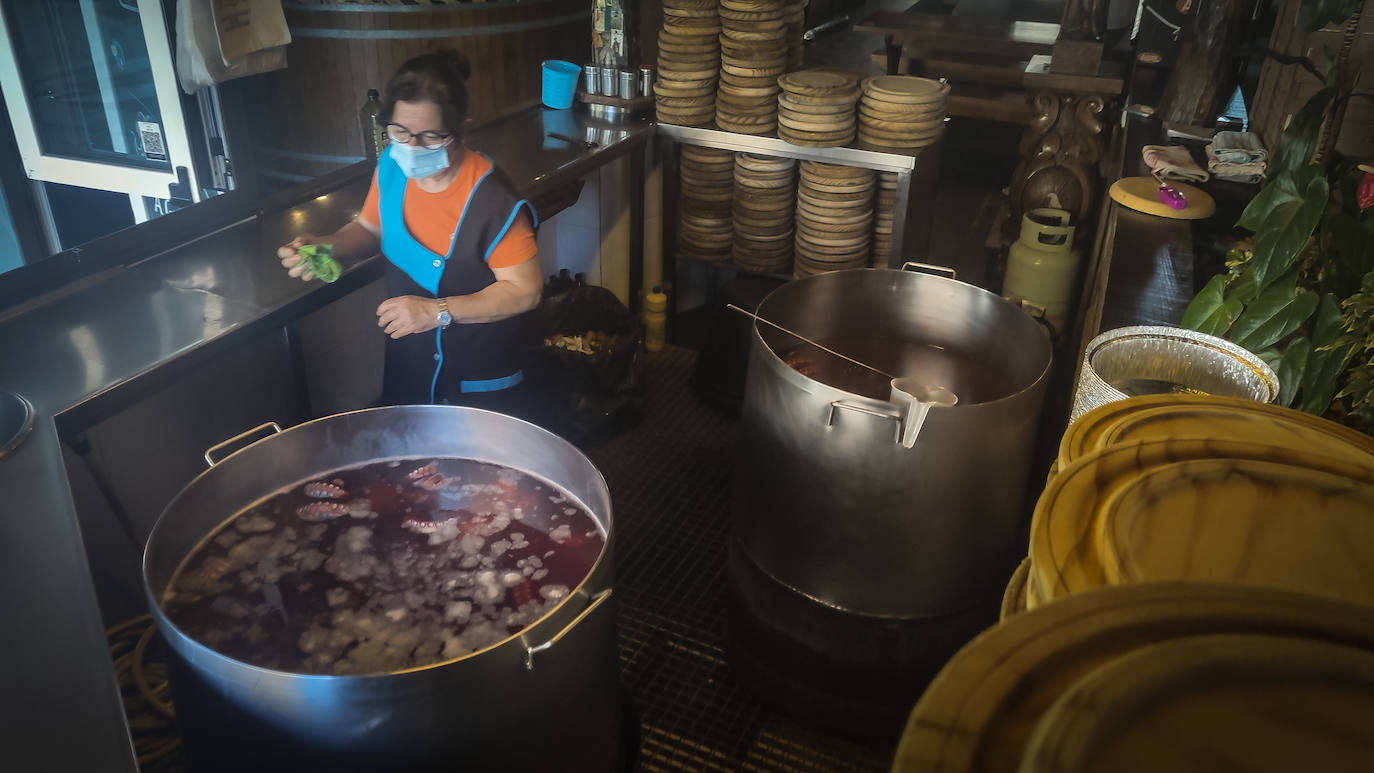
x=445 y=318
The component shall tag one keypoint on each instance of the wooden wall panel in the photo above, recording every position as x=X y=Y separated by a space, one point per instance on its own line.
x=311 y=107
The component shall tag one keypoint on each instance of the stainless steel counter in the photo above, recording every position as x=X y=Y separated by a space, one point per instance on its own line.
x=86 y=352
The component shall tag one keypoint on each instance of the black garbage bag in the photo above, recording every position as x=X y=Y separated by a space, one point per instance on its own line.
x=586 y=369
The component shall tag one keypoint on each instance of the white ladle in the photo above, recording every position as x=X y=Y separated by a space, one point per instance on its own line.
x=917 y=399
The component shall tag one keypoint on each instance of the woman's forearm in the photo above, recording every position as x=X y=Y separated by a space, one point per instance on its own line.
x=516 y=290
x=353 y=241
x=496 y=301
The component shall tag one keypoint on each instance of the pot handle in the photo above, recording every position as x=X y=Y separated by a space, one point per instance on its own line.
x=591 y=607
x=209 y=452
x=931 y=268
x=848 y=406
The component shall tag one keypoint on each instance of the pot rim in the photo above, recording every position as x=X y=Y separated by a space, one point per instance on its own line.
x=202 y=650
x=813 y=385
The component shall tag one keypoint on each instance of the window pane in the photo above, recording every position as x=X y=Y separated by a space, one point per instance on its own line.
x=88 y=81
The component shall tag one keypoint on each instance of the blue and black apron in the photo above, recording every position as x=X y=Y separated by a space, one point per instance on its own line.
x=462 y=359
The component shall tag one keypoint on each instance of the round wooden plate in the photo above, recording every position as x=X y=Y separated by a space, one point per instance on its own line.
x=733 y=15
x=1242 y=521
x=905 y=89
x=1257 y=701
x=817 y=83
x=982 y=709
x=900 y=127
x=835 y=171
x=843 y=125
x=1065 y=554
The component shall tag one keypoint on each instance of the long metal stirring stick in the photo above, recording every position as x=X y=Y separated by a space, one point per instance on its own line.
x=794 y=334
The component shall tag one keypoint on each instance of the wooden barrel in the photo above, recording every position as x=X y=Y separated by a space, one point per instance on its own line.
x=338 y=51
x=995 y=699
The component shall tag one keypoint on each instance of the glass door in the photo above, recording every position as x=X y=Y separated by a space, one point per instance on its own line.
x=92 y=95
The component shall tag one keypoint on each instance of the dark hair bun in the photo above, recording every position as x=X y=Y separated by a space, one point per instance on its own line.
x=455 y=59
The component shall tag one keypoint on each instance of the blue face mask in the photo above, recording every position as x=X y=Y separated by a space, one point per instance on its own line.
x=417 y=162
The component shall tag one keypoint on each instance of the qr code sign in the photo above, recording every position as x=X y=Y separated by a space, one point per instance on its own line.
x=151 y=136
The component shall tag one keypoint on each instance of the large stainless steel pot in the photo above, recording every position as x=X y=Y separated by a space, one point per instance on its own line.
x=545 y=699
x=828 y=499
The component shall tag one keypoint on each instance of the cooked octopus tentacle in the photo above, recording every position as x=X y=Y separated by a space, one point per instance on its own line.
x=322 y=511
x=321 y=490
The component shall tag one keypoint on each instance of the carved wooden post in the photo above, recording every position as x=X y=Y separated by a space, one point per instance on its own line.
x=1062 y=144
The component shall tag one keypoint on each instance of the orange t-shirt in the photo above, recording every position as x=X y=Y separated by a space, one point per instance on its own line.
x=431 y=217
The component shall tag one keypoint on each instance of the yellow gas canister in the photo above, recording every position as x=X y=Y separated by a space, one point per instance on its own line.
x=1042 y=265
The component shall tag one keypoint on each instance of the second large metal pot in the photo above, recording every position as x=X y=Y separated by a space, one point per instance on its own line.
x=828 y=500
x=547 y=698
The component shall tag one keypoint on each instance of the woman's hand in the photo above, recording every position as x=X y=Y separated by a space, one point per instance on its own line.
x=292 y=261
x=408 y=314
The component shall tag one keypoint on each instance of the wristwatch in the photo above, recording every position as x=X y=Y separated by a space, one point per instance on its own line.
x=445 y=318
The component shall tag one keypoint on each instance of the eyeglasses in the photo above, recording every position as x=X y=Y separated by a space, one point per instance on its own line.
x=431 y=140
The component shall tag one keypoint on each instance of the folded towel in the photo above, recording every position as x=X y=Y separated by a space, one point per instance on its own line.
x=1173 y=162
x=1237 y=148
x=1248 y=172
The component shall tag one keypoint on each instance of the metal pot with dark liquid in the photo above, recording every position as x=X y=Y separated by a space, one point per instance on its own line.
x=883 y=504
x=545 y=698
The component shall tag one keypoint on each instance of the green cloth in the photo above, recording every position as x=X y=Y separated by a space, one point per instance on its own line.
x=320 y=258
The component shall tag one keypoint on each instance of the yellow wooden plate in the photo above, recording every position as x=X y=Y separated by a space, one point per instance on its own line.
x=1200 y=704
x=980 y=711
x=1244 y=521
x=1152 y=416
x=1142 y=195
x=1066 y=536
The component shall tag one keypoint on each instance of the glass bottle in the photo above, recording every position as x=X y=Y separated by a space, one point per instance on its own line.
x=374 y=133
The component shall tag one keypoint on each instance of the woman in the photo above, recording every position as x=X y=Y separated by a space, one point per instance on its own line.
x=462 y=263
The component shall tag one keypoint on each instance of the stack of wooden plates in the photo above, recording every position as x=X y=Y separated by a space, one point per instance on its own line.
x=688 y=62
x=834 y=217
x=794 y=15
x=1223 y=490
x=1183 y=677
x=705 y=226
x=901 y=112
x=753 y=53
x=882 y=219
x=765 y=199
x=816 y=107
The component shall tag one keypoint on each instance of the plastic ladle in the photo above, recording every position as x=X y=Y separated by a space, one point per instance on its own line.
x=917 y=399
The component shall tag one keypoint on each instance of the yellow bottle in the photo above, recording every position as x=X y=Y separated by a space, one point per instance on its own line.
x=1042 y=265
x=655 y=320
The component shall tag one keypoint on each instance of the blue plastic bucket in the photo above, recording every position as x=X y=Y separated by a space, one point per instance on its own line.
x=560 y=83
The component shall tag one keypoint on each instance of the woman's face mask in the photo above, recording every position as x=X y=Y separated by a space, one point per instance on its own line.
x=417 y=162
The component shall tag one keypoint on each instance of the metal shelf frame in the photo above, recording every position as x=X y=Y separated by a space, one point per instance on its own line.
x=916 y=175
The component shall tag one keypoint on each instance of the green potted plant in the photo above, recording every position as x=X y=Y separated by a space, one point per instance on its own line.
x=1300 y=294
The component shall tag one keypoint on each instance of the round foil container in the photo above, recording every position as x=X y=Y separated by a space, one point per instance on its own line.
x=1131 y=361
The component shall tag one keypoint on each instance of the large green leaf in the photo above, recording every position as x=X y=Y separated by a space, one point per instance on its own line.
x=1285 y=232
x=1245 y=287
x=1281 y=188
x=1275 y=314
x=1210 y=312
x=1315 y=14
x=1326 y=364
x=1291 y=367
x=1299 y=140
